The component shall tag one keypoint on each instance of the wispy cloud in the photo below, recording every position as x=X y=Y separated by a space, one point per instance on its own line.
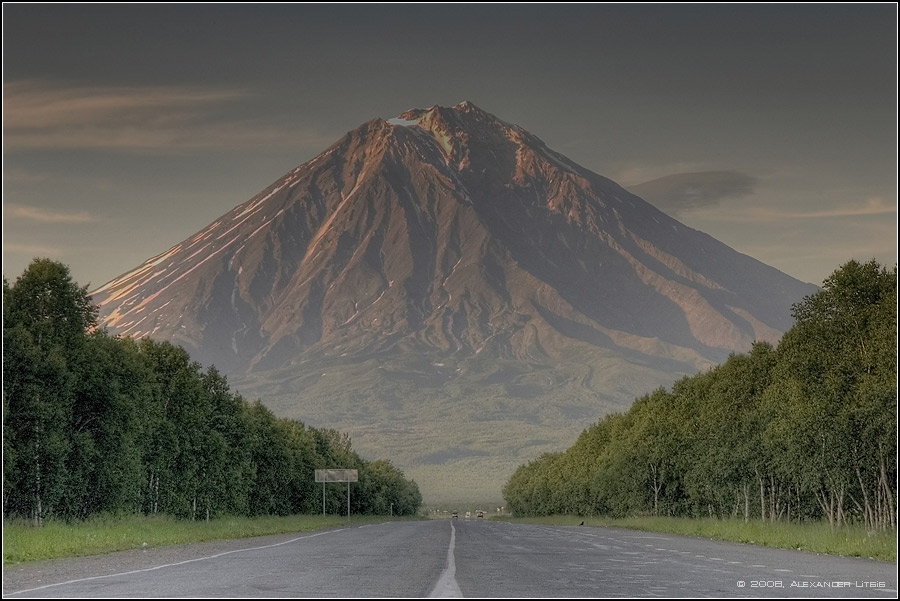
x=42 y=115
x=18 y=175
x=31 y=104
x=34 y=250
x=12 y=211
x=629 y=174
x=871 y=206
x=865 y=208
x=682 y=191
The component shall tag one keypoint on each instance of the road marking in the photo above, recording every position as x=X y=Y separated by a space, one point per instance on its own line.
x=446 y=585
x=171 y=565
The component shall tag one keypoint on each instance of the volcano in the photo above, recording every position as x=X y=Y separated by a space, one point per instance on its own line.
x=452 y=292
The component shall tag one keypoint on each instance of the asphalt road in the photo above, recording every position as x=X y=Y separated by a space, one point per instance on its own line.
x=458 y=558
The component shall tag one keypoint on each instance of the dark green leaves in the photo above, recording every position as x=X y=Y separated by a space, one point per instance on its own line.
x=94 y=424
x=804 y=430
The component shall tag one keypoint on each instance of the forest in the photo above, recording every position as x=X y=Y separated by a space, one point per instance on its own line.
x=95 y=424
x=803 y=431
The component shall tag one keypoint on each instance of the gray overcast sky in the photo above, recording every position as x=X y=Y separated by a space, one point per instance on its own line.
x=128 y=128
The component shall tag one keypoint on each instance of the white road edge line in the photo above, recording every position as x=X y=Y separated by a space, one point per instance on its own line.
x=169 y=565
x=446 y=585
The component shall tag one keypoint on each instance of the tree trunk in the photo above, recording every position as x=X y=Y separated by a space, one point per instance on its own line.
x=762 y=497
x=746 y=502
x=789 y=503
x=841 y=518
x=888 y=495
x=657 y=486
x=773 y=499
x=826 y=502
x=153 y=493
x=38 y=516
x=866 y=509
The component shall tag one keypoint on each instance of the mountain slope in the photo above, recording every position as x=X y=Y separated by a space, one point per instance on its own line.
x=447 y=257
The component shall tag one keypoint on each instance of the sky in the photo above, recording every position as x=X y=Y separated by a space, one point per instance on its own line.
x=128 y=128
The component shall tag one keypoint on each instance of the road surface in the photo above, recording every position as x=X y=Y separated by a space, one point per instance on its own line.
x=458 y=558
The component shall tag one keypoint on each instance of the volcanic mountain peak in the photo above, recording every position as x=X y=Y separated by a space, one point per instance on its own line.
x=466 y=132
x=461 y=116
x=443 y=225
x=449 y=249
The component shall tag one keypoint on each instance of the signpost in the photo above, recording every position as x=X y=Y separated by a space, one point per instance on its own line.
x=337 y=475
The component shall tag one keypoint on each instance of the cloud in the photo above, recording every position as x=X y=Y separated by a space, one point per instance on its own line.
x=12 y=211
x=682 y=191
x=30 y=104
x=18 y=175
x=30 y=250
x=871 y=207
x=43 y=115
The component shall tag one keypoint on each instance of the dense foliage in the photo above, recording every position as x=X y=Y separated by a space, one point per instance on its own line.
x=807 y=430
x=96 y=424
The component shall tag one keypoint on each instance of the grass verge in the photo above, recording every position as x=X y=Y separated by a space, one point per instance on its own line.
x=849 y=541
x=22 y=542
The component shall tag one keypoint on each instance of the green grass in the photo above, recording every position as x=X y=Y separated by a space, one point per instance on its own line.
x=23 y=542
x=849 y=541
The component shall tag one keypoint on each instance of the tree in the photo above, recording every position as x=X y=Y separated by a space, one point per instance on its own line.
x=225 y=472
x=810 y=426
x=271 y=462
x=383 y=489
x=48 y=304
x=833 y=401
x=174 y=448
x=46 y=317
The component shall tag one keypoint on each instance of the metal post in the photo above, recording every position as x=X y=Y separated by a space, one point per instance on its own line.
x=336 y=475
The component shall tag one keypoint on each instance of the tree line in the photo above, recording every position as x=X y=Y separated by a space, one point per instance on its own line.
x=98 y=424
x=806 y=430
